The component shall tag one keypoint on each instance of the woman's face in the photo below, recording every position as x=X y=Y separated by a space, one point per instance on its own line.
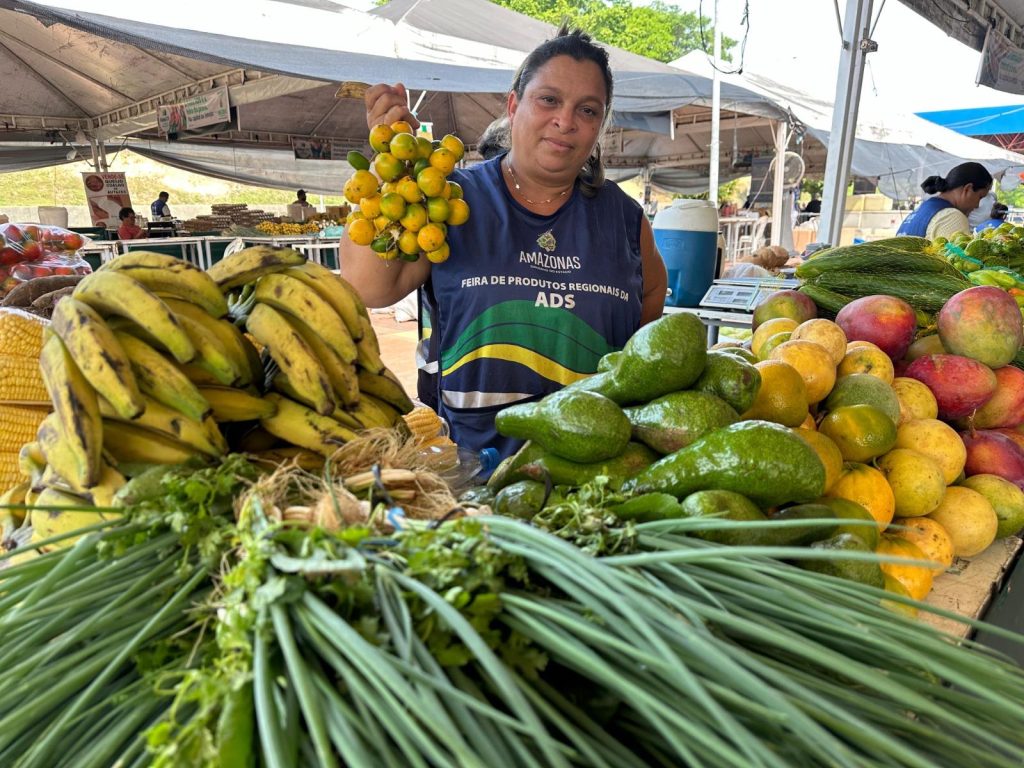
x=970 y=198
x=558 y=121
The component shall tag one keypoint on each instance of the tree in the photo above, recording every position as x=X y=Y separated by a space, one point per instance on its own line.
x=658 y=31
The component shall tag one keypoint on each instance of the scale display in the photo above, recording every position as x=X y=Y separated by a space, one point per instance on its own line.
x=742 y=294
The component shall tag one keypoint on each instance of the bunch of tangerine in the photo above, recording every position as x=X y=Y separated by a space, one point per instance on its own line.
x=405 y=205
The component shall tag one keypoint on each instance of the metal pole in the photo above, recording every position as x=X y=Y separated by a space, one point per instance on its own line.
x=781 y=139
x=716 y=113
x=856 y=45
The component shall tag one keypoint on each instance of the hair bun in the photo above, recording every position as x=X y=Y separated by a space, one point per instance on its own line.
x=934 y=184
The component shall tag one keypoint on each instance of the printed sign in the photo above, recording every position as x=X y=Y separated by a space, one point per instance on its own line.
x=1002 y=64
x=312 y=149
x=203 y=109
x=106 y=193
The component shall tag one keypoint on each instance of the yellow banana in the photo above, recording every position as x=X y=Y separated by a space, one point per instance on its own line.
x=251 y=263
x=346 y=419
x=369 y=414
x=97 y=353
x=368 y=350
x=340 y=374
x=335 y=291
x=300 y=457
x=385 y=387
x=102 y=494
x=230 y=339
x=210 y=353
x=204 y=436
x=293 y=356
x=304 y=427
x=32 y=461
x=62 y=458
x=230 y=404
x=200 y=376
x=169 y=274
x=131 y=444
x=48 y=519
x=161 y=379
x=391 y=414
x=115 y=293
x=295 y=298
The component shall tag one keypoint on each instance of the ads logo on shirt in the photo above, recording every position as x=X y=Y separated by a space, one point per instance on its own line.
x=546 y=261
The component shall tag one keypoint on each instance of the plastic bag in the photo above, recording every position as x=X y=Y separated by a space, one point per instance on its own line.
x=28 y=251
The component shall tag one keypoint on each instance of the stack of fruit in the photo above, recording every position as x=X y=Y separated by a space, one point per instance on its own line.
x=287 y=228
x=24 y=402
x=405 y=209
x=145 y=363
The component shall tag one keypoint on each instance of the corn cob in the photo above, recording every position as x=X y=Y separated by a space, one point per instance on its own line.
x=924 y=291
x=20 y=380
x=874 y=258
x=18 y=425
x=10 y=472
x=423 y=423
x=21 y=332
x=829 y=302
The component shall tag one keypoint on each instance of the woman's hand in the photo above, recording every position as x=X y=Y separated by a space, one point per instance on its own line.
x=388 y=104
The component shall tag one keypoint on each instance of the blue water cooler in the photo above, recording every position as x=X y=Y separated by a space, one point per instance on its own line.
x=686 y=234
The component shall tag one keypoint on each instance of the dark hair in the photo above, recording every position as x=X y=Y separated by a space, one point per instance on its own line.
x=301 y=193
x=163 y=194
x=966 y=173
x=573 y=42
x=124 y=213
x=999 y=211
x=495 y=139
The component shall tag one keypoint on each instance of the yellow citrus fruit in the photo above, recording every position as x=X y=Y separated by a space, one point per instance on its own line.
x=403 y=146
x=401 y=126
x=388 y=167
x=782 y=396
x=392 y=205
x=813 y=362
x=862 y=432
x=407 y=242
x=380 y=137
x=381 y=223
x=851 y=345
x=437 y=208
x=866 y=486
x=916 y=400
x=454 y=190
x=1006 y=499
x=415 y=217
x=896 y=588
x=454 y=145
x=431 y=181
x=389 y=255
x=809 y=423
x=424 y=148
x=968 y=518
x=359 y=185
x=388 y=187
x=370 y=206
x=936 y=439
x=916 y=481
x=929 y=536
x=827 y=451
x=443 y=159
x=772 y=342
x=430 y=238
x=353 y=215
x=409 y=189
x=917 y=579
x=866 y=358
x=823 y=332
x=770 y=328
x=439 y=255
x=458 y=212
x=362 y=231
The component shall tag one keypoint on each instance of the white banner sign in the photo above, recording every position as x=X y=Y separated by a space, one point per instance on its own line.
x=1002 y=64
x=106 y=193
x=196 y=111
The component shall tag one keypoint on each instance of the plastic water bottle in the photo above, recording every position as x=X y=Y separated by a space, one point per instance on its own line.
x=470 y=468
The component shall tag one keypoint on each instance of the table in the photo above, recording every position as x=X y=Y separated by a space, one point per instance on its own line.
x=733 y=228
x=715 y=319
x=322 y=250
x=191 y=249
x=98 y=252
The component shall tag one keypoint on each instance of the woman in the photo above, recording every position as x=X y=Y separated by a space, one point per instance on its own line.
x=996 y=218
x=955 y=196
x=554 y=267
x=129 y=230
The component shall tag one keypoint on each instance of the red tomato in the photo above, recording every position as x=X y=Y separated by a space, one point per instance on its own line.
x=10 y=256
x=31 y=251
x=31 y=232
x=13 y=234
x=63 y=271
x=73 y=241
x=22 y=272
x=44 y=271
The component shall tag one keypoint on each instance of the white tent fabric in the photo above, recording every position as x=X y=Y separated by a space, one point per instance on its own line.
x=899 y=150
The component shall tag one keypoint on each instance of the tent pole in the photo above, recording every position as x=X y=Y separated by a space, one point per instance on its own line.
x=781 y=139
x=856 y=45
x=716 y=114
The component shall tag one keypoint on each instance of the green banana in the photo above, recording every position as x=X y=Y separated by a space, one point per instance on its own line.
x=161 y=379
x=168 y=274
x=304 y=427
x=335 y=291
x=251 y=263
x=203 y=436
x=385 y=386
x=294 y=297
x=230 y=404
x=340 y=374
x=293 y=356
x=98 y=354
x=229 y=338
x=115 y=293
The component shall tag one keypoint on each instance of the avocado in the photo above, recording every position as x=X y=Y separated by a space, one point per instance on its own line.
x=742 y=353
x=845 y=509
x=862 y=571
x=609 y=361
x=864 y=389
x=576 y=425
x=795 y=535
x=768 y=463
x=731 y=378
x=726 y=505
x=648 y=507
x=664 y=356
x=675 y=420
x=523 y=499
x=535 y=463
x=478 y=494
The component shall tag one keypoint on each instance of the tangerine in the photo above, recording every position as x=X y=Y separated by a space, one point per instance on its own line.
x=444 y=160
x=392 y=205
x=813 y=362
x=929 y=536
x=409 y=189
x=430 y=238
x=439 y=255
x=424 y=148
x=401 y=126
x=359 y=185
x=437 y=209
x=380 y=137
x=782 y=396
x=866 y=358
x=454 y=190
x=403 y=146
x=770 y=328
x=823 y=332
x=827 y=451
x=866 y=486
x=862 y=432
x=388 y=167
x=370 y=206
x=407 y=243
x=431 y=181
x=415 y=217
x=454 y=145
x=916 y=579
x=458 y=212
x=361 y=231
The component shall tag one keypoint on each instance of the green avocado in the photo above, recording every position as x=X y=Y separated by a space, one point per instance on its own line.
x=796 y=535
x=609 y=361
x=534 y=462
x=648 y=507
x=845 y=509
x=731 y=378
x=727 y=505
x=478 y=494
x=862 y=571
x=677 y=419
x=766 y=462
x=742 y=353
x=523 y=499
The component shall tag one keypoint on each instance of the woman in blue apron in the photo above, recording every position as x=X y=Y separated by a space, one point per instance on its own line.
x=954 y=197
x=554 y=268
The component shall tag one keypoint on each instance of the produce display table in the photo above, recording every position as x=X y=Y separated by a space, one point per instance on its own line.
x=192 y=249
x=322 y=250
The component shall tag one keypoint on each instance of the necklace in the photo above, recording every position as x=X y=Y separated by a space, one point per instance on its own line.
x=515 y=183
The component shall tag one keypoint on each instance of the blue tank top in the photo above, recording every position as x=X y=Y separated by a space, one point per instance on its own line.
x=916 y=223
x=527 y=303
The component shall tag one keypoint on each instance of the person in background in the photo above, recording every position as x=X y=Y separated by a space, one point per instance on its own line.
x=159 y=208
x=981 y=213
x=300 y=199
x=813 y=205
x=551 y=254
x=996 y=217
x=953 y=198
x=129 y=230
